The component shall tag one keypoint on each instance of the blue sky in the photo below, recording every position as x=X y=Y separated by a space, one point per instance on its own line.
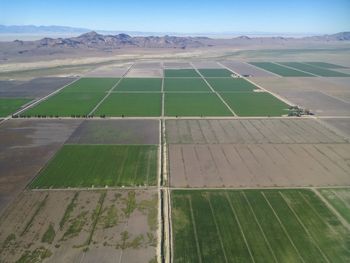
x=293 y=16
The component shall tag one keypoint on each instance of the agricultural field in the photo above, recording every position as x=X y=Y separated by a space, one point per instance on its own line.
x=215 y=72
x=231 y=85
x=131 y=104
x=140 y=84
x=244 y=68
x=11 y=105
x=339 y=198
x=81 y=226
x=319 y=71
x=256 y=226
x=194 y=104
x=99 y=166
x=325 y=65
x=181 y=73
x=185 y=85
x=255 y=104
x=280 y=70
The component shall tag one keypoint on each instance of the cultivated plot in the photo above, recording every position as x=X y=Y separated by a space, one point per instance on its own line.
x=215 y=72
x=116 y=132
x=255 y=104
x=280 y=70
x=145 y=73
x=256 y=226
x=252 y=131
x=181 y=73
x=131 y=104
x=258 y=165
x=99 y=166
x=81 y=226
x=319 y=71
x=231 y=85
x=177 y=65
x=325 y=65
x=101 y=85
x=139 y=84
x=342 y=125
x=11 y=105
x=246 y=69
x=194 y=104
x=185 y=85
x=107 y=71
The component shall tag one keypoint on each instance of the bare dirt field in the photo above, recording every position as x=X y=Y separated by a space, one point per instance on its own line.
x=324 y=97
x=80 y=226
x=259 y=165
x=25 y=147
x=257 y=131
x=116 y=132
x=177 y=65
x=145 y=73
x=341 y=124
x=243 y=68
x=34 y=88
x=108 y=71
x=147 y=65
x=206 y=64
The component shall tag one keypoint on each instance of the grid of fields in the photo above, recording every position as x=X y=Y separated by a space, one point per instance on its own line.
x=319 y=71
x=99 y=166
x=256 y=226
x=10 y=105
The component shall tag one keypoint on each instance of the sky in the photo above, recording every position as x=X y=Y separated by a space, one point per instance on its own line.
x=191 y=16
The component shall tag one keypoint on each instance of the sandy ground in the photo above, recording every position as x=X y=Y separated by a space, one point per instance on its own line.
x=25 y=147
x=147 y=65
x=145 y=73
x=35 y=88
x=252 y=131
x=177 y=65
x=206 y=64
x=259 y=165
x=341 y=125
x=116 y=132
x=121 y=230
x=243 y=68
x=108 y=71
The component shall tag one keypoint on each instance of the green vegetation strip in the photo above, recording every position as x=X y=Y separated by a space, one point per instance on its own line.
x=140 y=84
x=325 y=65
x=100 y=166
x=131 y=104
x=215 y=72
x=255 y=104
x=315 y=70
x=280 y=70
x=181 y=73
x=185 y=84
x=256 y=226
x=231 y=85
x=194 y=104
x=11 y=105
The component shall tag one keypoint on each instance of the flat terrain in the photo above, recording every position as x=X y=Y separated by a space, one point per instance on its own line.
x=25 y=147
x=281 y=70
x=215 y=72
x=99 y=166
x=181 y=73
x=231 y=85
x=80 y=226
x=140 y=84
x=244 y=68
x=131 y=104
x=256 y=226
x=194 y=104
x=116 y=132
x=185 y=85
x=314 y=69
x=11 y=105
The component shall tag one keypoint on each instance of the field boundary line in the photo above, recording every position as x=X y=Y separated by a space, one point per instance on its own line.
x=195 y=230
x=260 y=87
x=300 y=70
x=170 y=227
x=260 y=227
x=162 y=88
x=303 y=226
x=262 y=69
x=110 y=91
x=239 y=226
x=330 y=207
x=217 y=228
x=211 y=88
x=341 y=199
x=283 y=227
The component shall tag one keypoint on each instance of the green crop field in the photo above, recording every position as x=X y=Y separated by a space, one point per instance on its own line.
x=10 y=105
x=185 y=84
x=231 y=84
x=280 y=70
x=256 y=226
x=255 y=104
x=325 y=65
x=181 y=73
x=339 y=199
x=67 y=104
x=131 y=104
x=194 y=104
x=215 y=72
x=91 y=85
x=315 y=70
x=100 y=165
x=140 y=84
